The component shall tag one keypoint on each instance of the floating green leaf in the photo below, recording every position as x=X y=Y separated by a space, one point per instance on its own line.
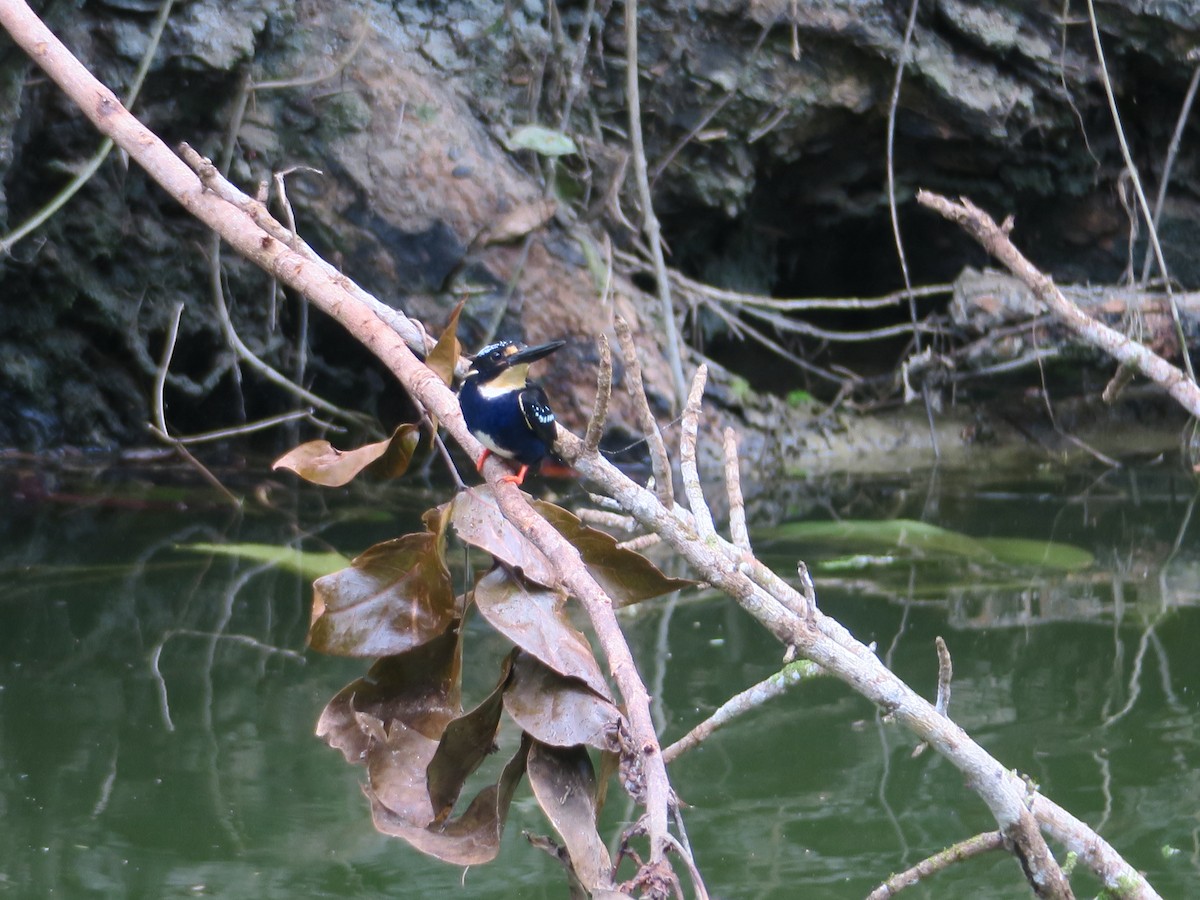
x=535 y=620
x=866 y=535
x=541 y=140
x=626 y=576
x=928 y=541
x=308 y=564
x=392 y=598
x=322 y=463
x=1038 y=554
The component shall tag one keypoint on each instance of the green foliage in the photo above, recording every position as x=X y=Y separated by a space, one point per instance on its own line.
x=543 y=141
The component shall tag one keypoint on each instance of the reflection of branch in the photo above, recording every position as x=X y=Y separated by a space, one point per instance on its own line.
x=776 y=605
x=963 y=850
x=159 y=427
x=994 y=240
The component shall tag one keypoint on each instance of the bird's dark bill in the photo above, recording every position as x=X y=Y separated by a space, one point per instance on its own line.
x=532 y=354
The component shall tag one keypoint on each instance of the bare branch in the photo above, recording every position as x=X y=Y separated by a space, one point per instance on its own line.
x=786 y=678
x=1143 y=205
x=738 y=532
x=687 y=458
x=595 y=428
x=660 y=465
x=649 y=219
x=963 y=850
x=992 y=237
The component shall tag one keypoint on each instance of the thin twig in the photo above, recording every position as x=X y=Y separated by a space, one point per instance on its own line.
x=649 y=219
x=753 y=697
x=945 y=674
x=1151 y=230
x=159 y=427
x=604 y=376
x=793 y=304
x=249 y=357
x=963 y=850
x=339 y=64
x=659 y=463
x=738 y=532
x=893 y=106
x=1169 y=163
x=221 y=434
x=688 y=468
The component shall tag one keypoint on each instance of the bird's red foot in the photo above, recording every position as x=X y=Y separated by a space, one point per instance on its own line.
x=519 y=478
x=482 y=459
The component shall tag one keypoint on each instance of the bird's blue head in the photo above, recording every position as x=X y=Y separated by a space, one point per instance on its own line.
x=502 y=357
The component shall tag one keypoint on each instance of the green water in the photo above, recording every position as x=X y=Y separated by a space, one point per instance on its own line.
x=157 y=707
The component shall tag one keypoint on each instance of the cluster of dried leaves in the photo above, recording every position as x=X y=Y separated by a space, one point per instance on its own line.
x=404 y=720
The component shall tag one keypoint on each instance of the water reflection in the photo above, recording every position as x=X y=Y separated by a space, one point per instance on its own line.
x=156 y=708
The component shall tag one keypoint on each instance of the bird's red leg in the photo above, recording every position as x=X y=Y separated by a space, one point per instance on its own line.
x=519 y=478
x=482 y=459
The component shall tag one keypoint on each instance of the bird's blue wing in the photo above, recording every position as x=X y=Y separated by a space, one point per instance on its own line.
x=537 y=412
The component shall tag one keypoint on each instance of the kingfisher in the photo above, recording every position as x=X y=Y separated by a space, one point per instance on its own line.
x=504 y=410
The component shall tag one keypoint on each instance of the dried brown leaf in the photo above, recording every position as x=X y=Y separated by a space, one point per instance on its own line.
x=322 y=463
x=564 y=784
x=465 y=743
x=534 y=619
x=445 y=353
x=626 y=576
x=472 y=838
x=558 y=710
x=420 y=689
x=393 y=597
x=478 y=521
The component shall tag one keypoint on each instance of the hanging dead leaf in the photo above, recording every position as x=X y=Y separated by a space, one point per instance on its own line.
x=420 y=689
x=478 y=521
x=533 y=618
x=558 y=710
x=470 y=839
x=394 y=596
x=322 y=463
x=446 y=352
x=564 y=784
x=465 y=744
x=626 y=576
